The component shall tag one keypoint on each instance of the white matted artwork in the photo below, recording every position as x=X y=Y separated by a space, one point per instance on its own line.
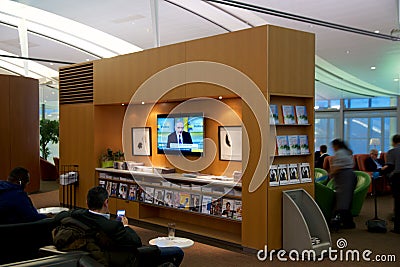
x=230 y=143
x=141 y=141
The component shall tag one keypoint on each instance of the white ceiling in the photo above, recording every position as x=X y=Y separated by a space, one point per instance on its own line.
x=181 y=20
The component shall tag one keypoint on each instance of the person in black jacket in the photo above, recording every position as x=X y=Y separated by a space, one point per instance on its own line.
x=320 y=156
x=122 y=242
x=372 y=163
x=15 y=205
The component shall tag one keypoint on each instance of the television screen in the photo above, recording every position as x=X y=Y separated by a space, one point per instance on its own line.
x=180 y=133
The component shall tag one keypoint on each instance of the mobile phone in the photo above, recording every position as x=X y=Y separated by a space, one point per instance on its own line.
x=120 y=213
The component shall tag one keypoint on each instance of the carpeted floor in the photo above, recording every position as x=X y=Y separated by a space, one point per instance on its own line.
x=205 y=255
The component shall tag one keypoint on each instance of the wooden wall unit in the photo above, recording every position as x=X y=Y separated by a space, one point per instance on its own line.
x=280 y=62
x=19 y=136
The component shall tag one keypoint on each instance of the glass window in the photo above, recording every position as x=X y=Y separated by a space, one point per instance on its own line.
x=359 y=103
x=326 y=129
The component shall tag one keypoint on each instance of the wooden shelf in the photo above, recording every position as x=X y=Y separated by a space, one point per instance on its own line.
x=196 y=229
x=292 y=155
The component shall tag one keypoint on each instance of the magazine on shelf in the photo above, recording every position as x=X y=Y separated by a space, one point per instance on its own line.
x=293 y=170
x=283 y=174
x=282 y=145
x=216 y=206
x=195 y=202
x=305 y=173
x=140 y=194
x=114 y=189
x=238 y=210
x=176 y=199
x=294 y=144
x=102 y=183
x=132 y=195
x=159 y=196
x=108 y=187
x=273 y=119
x=304 y=149
x=273 y=176
x=102 y=175
x=149 y=196
x=288 y=114
x=228 y=207
x=168 y=198
x=206 y=204
x=122 y=191
x=184 y=200
x=301 y=114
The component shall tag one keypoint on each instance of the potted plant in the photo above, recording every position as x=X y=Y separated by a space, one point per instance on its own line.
x=49 y=132
x=107 y=159
x=118 y=160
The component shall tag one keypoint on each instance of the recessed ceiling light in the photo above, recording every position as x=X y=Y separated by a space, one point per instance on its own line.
x=52 y=93
x=396 y=79
x=123 y=104
x=376 y=31
x=373 y=68
x=87 y=59
x=347 y=52
x=51 y=64
x=220 y=97
x=142 y=102
x=148 y=30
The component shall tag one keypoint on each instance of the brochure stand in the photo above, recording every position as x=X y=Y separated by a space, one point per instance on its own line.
x=304 y=226
x=69 y=181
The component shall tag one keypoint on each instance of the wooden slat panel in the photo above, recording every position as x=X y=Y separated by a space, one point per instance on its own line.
x=76 y=84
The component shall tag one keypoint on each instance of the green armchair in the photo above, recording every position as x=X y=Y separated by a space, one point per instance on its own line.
x=320 y=175
x=325 y=195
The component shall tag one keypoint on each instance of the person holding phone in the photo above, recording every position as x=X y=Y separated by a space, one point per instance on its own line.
x=15 y=205
x=120 y=245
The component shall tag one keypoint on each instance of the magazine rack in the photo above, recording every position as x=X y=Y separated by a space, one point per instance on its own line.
x=304 y=226
x=69 y=181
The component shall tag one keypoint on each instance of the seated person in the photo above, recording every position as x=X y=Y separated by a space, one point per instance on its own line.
x=319 y=160
x=372 y=163
x=116 y=243
x=15 y=205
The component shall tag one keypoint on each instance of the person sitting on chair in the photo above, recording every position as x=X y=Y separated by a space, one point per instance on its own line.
x=372 y=163
x=319 y=161
x=116 y=244
x=15 y=205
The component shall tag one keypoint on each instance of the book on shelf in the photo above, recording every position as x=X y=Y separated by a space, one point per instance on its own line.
x=108 y=187
x=282 y=174
x=206 y=189
x=293 y=170
x=288 y=114
x=228 y=207
x=102 y=175
x=238 y=210
x=102 y=183
x=273 y=176
x=273 y=116
x=304 y=149
x=184 y=200
x=132 y=195
x=282 y=145
x=301 y=115
x=149 y=196
x=159 y=196
x=195 y=202
x=206 y=204
x=140 y=193
x=114 y=189
x=122 y=191
x=294 y=144
x=305 y=173
x=168 y=198
x=216 y=206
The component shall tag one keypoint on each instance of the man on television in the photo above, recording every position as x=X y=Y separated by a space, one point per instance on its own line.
x=179 y=136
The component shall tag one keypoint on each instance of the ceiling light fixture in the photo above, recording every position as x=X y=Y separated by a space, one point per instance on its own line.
x=373 y=68
x=396 y=79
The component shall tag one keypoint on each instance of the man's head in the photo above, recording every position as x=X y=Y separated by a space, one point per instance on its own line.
x=396 y=139
x=373 y=153
x=97 y=199
x=19 y=175
x=179 y=127
x=323 y=148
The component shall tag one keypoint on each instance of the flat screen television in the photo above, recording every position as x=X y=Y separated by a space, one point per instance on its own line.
x=180 y=133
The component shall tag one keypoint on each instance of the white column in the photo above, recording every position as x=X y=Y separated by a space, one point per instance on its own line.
x=23 y=41
x=154 y=19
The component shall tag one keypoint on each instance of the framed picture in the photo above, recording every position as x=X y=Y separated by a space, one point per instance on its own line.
x=230 y=143
x=141 y=141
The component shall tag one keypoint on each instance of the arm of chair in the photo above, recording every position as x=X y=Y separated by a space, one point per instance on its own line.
x=148 y=255
x=325 y=197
